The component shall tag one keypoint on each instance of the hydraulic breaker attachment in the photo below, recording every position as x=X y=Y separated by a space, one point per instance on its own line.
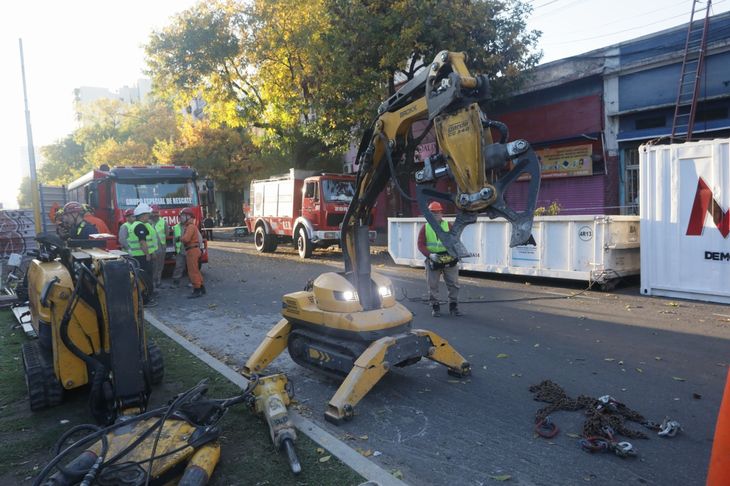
x=400 y=350
x=271 y=347
x=271 y=396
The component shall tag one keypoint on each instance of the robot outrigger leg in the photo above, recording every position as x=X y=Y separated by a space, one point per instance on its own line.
x=375 y=362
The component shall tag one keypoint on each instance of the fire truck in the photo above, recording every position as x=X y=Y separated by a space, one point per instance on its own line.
x=111 y=191
x=300 y=208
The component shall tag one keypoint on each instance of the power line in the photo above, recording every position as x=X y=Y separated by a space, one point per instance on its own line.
x=624 y=30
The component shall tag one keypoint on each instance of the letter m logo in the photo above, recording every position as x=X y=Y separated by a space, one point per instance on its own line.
x=705 y=203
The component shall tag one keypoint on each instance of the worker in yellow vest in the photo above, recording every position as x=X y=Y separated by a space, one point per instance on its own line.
x=158 y=259
x=124 y=229
x=142 y=241
x=439 y=262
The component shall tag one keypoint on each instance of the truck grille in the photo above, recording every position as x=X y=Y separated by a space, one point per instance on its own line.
x=334 y=219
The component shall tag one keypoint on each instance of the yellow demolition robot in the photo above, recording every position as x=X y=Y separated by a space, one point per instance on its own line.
x=349 y=325
x=86 y=309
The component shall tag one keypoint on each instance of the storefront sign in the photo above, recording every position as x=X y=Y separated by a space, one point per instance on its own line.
x=565 y=161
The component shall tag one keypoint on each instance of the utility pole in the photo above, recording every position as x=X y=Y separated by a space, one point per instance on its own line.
x=31 y=151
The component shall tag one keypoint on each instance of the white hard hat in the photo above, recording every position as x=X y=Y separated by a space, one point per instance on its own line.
x=141 y=209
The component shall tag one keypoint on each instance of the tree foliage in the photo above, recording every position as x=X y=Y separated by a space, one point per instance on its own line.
x=304 y=73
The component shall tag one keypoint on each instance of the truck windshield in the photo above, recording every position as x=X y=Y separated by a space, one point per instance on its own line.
x=166 y=194
x=338 y=191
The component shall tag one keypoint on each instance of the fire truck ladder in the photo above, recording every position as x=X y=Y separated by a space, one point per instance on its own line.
x=689 y=79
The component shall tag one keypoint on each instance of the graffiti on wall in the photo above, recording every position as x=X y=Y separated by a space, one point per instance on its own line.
x=17 y=232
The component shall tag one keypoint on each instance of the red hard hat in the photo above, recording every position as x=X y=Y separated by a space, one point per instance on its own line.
x=73 y=207
x=188 y=211
x=435 y=207
x=129 y=212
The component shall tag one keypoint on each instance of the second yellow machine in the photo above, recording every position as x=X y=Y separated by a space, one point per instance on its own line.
x=349 y=325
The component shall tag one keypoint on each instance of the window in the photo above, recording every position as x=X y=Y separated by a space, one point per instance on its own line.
x=338 y=191
x=166 y=194
x=630 y=180
x=310 y=189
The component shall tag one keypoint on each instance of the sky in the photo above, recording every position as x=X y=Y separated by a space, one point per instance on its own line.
x=73 y=43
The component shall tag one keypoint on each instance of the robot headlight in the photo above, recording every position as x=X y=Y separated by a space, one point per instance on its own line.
x=347 y=295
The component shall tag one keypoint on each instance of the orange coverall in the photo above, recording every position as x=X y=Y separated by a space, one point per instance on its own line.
x=190 y=240
x=99 y=223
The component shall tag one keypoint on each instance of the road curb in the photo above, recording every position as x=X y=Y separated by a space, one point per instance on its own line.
x=366 y=468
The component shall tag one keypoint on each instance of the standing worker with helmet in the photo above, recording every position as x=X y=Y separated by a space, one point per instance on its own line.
x=124 y=229
x=73 y=220
x=192 y=241
x=142 y=242
x=158 y=258
x=439 y=262
x=89 y=217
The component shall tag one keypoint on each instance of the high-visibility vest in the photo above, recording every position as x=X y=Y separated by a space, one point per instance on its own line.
x=80 y=228
x=161 y=234
x=433 y=244
x=135 y=248
x=177 y=234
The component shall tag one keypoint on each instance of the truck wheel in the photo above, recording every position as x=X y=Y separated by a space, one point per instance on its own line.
x=304 y=244
x=264 y=242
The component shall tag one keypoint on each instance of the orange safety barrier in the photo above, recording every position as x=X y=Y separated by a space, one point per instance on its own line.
x=719 y=472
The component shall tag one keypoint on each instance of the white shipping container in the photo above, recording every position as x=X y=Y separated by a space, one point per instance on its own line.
x=592 y=248
x=685 y=221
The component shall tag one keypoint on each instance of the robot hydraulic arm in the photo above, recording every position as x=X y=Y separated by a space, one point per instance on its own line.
x=448 y=96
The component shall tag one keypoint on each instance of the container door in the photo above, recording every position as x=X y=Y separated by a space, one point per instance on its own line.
x=311 y=202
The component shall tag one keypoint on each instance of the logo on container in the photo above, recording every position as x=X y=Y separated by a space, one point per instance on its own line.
x=585 y=233
x=705 y=204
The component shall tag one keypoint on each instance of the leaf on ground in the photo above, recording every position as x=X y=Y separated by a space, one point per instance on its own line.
x=658 y=358
x=639 y=370
x=609 y=359
x=212 y=306
x=325 y=458
x=673 y=304
x=502 y=355
x=537 y=345
x=517 y=375
x=364 y=452
x=364 y=437
x=678 y=378
x=501 y=477
x=320 y=450
x=574 y=436
x=397 y=474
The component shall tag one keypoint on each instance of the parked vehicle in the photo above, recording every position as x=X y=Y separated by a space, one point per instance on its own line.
x=301 y=208
x=112 y=191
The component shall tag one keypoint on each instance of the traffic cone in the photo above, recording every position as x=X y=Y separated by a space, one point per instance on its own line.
x=719 y=472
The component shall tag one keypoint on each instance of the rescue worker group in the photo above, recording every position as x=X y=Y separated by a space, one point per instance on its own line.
x=143 y=236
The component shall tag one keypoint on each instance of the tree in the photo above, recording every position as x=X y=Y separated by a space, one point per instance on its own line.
x=63 y=161
x=301 y=77
x=111 y=133
x=25 y=196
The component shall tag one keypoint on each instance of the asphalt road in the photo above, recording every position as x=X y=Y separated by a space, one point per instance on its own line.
x=660 y=357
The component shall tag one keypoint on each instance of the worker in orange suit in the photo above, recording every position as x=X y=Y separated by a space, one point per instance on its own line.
x=192 y=240
x=91 y=219
x=719 y=472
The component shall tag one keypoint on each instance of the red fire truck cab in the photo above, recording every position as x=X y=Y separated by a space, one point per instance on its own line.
x=112 y=191
x=299 y=208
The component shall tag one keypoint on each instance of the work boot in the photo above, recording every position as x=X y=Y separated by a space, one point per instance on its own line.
x=454 y=309
x=436 y=310
x=196 y=293
x=202 y=289
x=175 y=284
